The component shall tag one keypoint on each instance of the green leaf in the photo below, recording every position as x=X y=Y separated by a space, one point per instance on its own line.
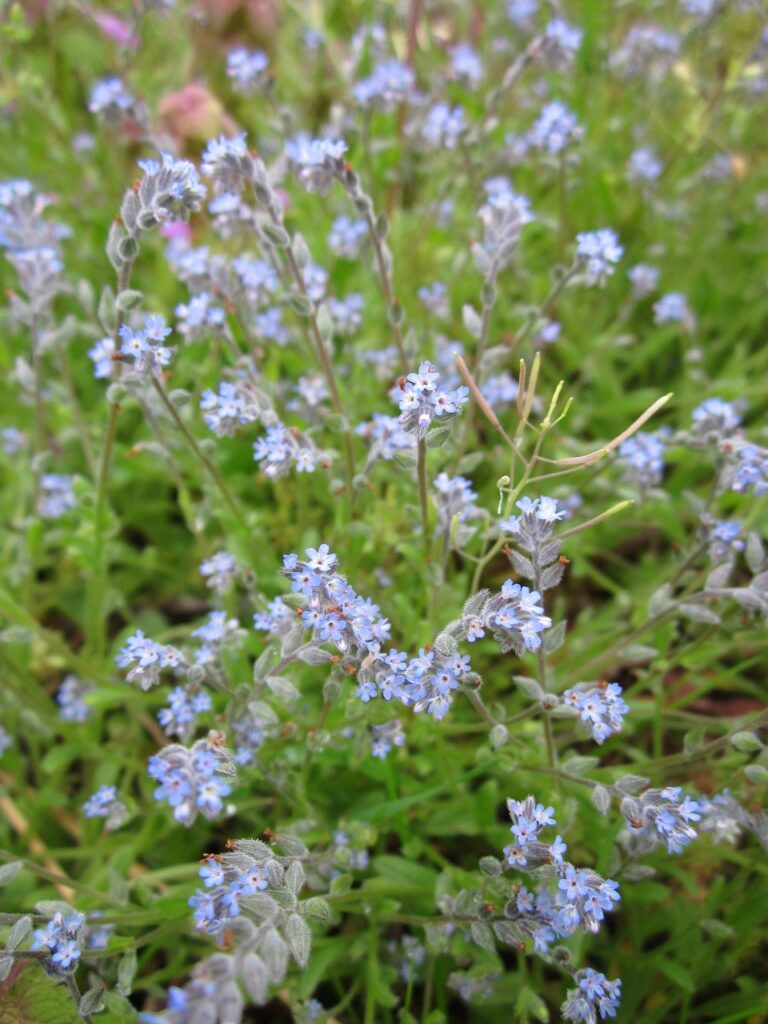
x=37 y=999
x=678 y=974
x=60 y=757
x=9 y=871
x=406 y=873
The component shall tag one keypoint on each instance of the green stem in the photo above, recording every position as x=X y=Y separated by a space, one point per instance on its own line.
x=421 y=472
x=547 y=303
x=324 y=358
x=96 y=613
x=393 y=307
x=200 y=455
x=77 y=414
x=478 y=704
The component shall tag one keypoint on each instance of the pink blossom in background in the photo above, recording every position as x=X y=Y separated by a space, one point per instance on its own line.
x=193 y=114
x=113 y=27
x=263 y=16
x=176 y=231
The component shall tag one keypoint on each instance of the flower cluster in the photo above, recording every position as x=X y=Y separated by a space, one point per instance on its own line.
x=581 y=897
x=269 y=326
x=454 y=499
x=179 y=717
x=644 y=280
x=434 y=298
x=226 y=886
x=514 y=617
x=599 y=251
x=443 y=126
x=247 y=69
x=199 y=317
x=751 y=469
x=673 y=308
x=503 y=216
x=643 y=459
x=725 y=820
x=385 y=436
x=145 y=659
x=561 y=42
x=346 y=314
x=421 y=401
x=337 y=615
x=101 y=355
x=212 y=994
x=531 y=533
x=318 y=161
x=63 y=937
x=253 y=891
x=284 y=448
x=555 y=128
x=600 y=708
x=466 y=64
x=111 y=100
x=220 y=632
x=595 y=997
x=56 y=495
x=334 y=612
x=724 y=540
x=257 y=279
x=386 y=736
x=346 y=237
x=716 y=417
x=191 y=778
x=219 y=571
x=426 y=682
x=170 y=190
x=660 y=816
x=235 y=404
x=105 y=803
x=644 y=165
x=22 y=225
x=250 y=727
x=390 y=83
x=145 y=347
x=646 y=47
x=228 y=163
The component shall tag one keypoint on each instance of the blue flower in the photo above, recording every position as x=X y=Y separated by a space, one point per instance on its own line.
x=70 y=698
x=644 y=165
x=465 y=63
x=247 y=68
x=145 y=347
x=673 y=308
x=346 y=237
x=643 y=457
x=600 y=707
x=751 y=470
x=555 y=129
x=390 y=83
x=56 y=495
x=170 y=190
x=212 y=873
x=101 y=354
x=319 y=161
x=599 y=250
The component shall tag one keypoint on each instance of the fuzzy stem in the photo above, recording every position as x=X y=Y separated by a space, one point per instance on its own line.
x=421 y=472
x=326 y=364
x=77 y=414
x=96 y=617
x=386 y=287
x=201 y=457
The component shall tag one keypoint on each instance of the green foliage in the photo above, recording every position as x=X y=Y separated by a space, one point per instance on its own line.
x=688 y=937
